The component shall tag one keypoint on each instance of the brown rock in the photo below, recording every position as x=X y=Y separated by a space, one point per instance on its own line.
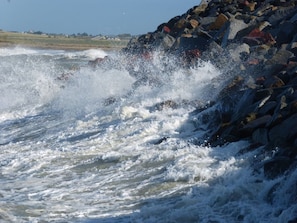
x=180 y=24
x=219 y=22
x=194 y=23
x=251 y=6
x=273 y=82
x=199 y=9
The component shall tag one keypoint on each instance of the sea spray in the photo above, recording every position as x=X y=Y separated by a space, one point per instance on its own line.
x=79 y=159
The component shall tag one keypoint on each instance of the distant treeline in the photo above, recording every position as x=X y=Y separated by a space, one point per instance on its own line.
x=84 y=34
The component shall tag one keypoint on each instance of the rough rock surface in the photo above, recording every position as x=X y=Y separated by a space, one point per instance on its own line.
x=260 y=98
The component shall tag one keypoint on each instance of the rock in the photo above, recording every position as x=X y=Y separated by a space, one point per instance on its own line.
x=281 y=13
x=194 y=23
x=236 y=26
x=286 y=33
x=166 y=42
x=205 y=21
x=251 y=6
x=276 y=166
x=284 y=132
x=260 y=136
x=268 y=108
x=273 y=82
x=256 y=123
x=236 y=51
x=258 y=37
x=171 y=23
x=293 y=48
x=166 y=104
x=262 y=94
x=219 y=22
x=254 y=40
x=201 y=43
x=201 y=8
x=293 y=107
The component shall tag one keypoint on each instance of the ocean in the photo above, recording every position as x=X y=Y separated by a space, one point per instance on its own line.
x=87 y=144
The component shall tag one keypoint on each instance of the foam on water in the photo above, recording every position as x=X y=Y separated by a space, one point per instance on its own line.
x=95 y=148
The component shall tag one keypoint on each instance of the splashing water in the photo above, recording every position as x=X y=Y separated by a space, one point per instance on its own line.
x=85 y=144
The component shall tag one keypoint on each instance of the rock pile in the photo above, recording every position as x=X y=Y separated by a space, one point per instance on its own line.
x=259 y=37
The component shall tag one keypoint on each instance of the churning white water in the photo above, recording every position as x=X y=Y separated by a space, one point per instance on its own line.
x=85 y=144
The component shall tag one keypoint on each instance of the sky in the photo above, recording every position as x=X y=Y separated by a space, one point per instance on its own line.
x=107 y=17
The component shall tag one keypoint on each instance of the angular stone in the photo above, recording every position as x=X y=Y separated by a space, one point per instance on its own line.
x=180 y=24
x=287 y=30
x=284 y=132
x=273 y=82
x=219 y=22
x=237 y=50
x=201 y=8
x=170 y=24
x=281 y=57
x=293 y=106
x=293 y=48
x=166 y=42
x=194 y=23
x=260 y=135
x=198 y=42
x=280 y=13
x=251 y=6
x=258 y=37
x=262 y=94
x=257 y=123
x=207 y=20
x=268 y=108
x=236 y=26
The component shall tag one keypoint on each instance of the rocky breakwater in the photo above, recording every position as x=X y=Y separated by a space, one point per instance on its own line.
x=255 y=43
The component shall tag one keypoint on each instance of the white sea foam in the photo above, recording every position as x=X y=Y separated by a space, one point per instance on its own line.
x=78 y=158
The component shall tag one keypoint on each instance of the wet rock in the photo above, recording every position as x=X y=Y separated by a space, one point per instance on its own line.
x=256 y=41
x=285 y=132
x=165 y=42
x=268 y=108
x=166 y=104
x=190 y=43
x=260 y=136
x=276 y=166
x=273 y=82
x=256 y=123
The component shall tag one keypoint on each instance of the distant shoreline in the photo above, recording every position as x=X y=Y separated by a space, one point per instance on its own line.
x=57 y=42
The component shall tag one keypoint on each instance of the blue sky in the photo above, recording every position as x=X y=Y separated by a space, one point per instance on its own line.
x=90 y=16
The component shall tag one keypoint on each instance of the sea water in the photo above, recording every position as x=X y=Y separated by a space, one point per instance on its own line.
x=84 y=144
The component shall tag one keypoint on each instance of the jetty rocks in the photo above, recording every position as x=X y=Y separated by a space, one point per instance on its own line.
x=255 y=43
